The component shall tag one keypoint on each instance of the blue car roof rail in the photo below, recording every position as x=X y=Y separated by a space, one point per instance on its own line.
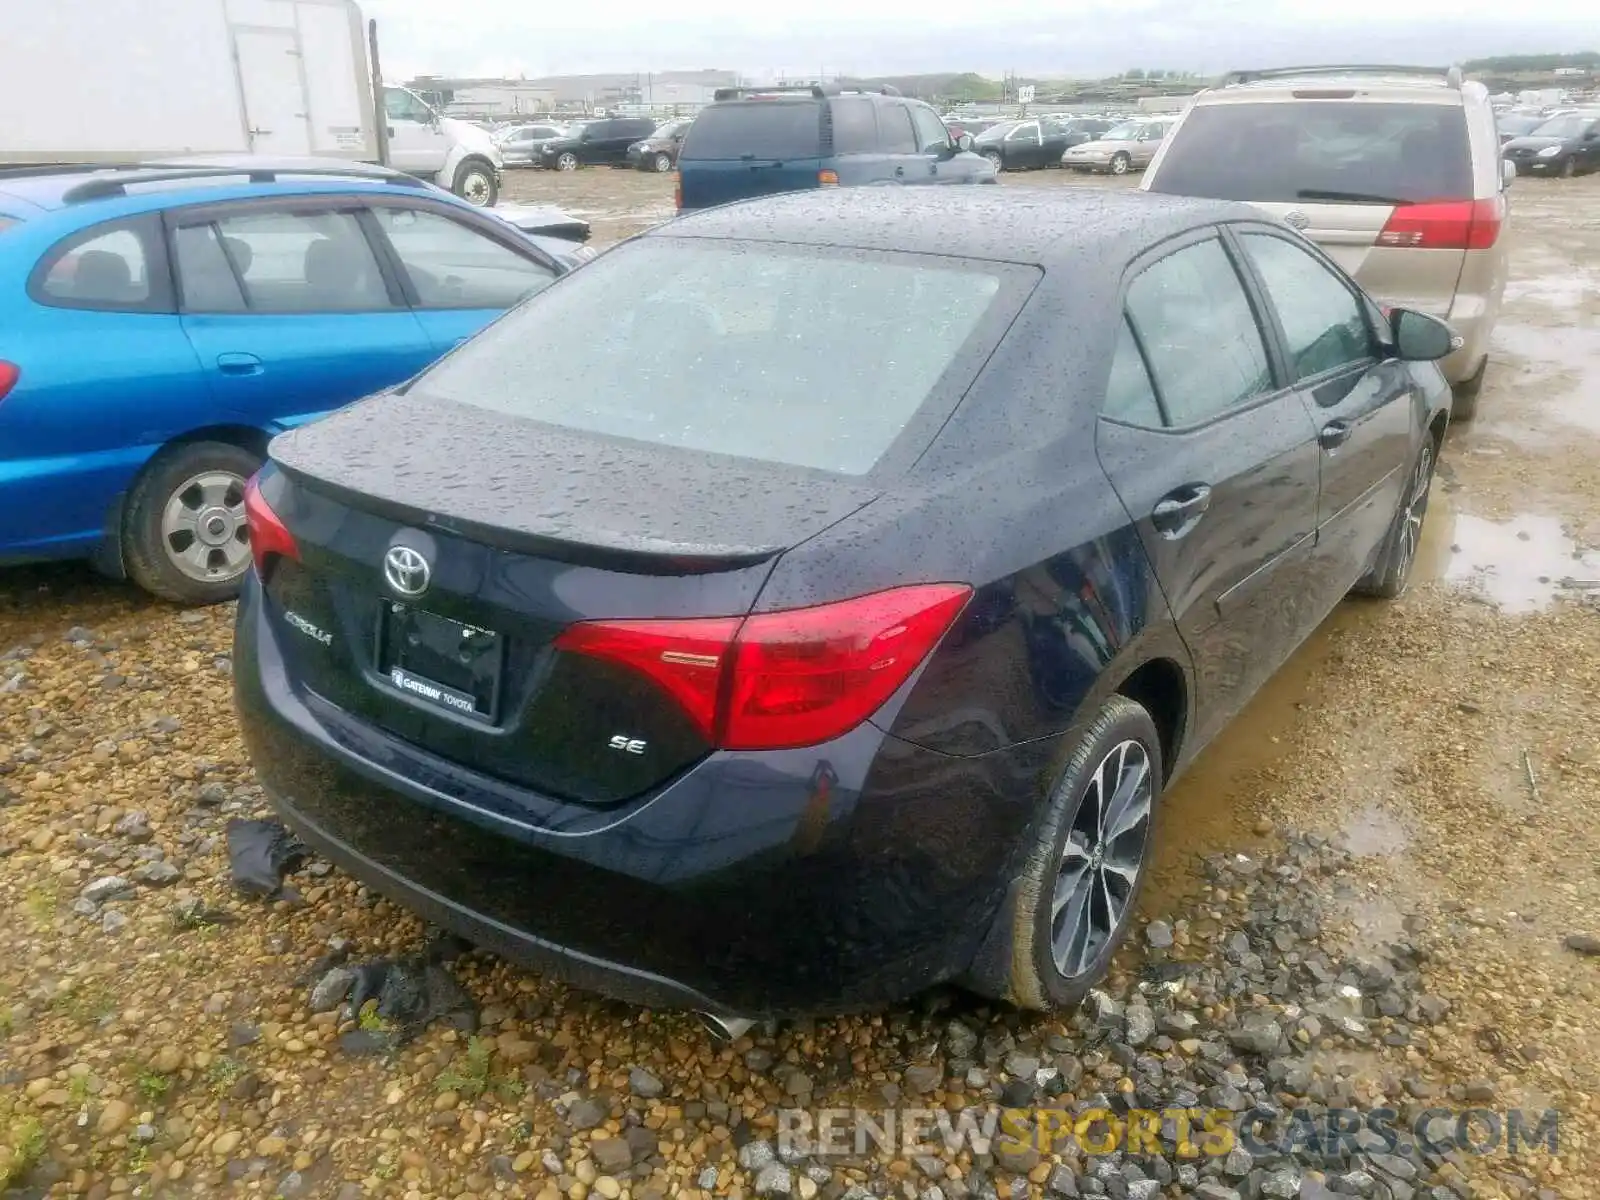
x=818 y=90
x=118 y=182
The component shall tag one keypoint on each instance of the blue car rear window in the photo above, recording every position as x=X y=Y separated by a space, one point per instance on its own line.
x=760 y=129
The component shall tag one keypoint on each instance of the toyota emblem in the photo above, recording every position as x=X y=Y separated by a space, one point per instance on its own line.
x=406 y=571
x=1297 y=219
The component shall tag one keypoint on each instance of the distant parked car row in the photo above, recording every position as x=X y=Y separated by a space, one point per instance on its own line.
x=1566 y=145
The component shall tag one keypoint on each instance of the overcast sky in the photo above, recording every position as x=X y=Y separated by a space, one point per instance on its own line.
x=1086 y=37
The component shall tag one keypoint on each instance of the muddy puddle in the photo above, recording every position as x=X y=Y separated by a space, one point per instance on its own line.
x=1520 y=565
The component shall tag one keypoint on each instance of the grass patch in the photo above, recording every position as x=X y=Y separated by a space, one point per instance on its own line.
x=223 y=1073
x=87 y=1004
x=369 y=1020
x=78 y=1089
x=153 y=1086
x=8 y=1021
x=26 y=1147
x=472 y=1074
x=42 y=902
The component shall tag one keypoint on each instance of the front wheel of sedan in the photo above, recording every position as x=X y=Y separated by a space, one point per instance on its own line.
x=1120 y=163
x=663 y=163
x=1076 y=895
x=1392 y=571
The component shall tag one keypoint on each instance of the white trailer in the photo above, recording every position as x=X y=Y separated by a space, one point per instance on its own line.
x=119 y=81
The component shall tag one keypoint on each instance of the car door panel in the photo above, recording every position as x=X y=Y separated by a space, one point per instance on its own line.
x=288 y=310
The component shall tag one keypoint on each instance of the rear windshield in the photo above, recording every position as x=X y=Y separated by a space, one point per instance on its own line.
x=1319 y=149
x=756 y=129
x=783 y=354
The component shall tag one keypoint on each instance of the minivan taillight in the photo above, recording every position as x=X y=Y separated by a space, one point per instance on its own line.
x=776 y=680
x=268 y=534
x=9 y=374
x=1445 y=225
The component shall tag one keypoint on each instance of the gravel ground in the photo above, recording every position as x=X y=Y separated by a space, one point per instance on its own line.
x=1378 y=889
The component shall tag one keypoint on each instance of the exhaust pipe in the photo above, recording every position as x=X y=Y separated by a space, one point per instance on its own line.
x=725 y=1029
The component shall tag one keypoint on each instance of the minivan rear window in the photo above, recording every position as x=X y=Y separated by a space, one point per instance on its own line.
x=762 y=129
x=806 y=357
x=1308 y=150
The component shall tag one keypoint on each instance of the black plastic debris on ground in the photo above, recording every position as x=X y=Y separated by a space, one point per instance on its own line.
x=260 y=854
x=410 y=992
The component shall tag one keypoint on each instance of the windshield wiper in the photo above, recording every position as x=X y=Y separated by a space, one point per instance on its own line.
x=1347 y=197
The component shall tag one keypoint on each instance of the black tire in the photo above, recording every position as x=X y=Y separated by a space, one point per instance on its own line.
x=996 y=161
x=475 y=183
x=152 y=557
x=1569 y=168
x=567 y=161
x=1121 y=164
x=1464 y=396
x=1035 y=981
x=663 y=163
x=1391 y=570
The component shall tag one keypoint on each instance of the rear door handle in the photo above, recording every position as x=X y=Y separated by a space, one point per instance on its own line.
x=899 y=170
x=1334 y=434
x=234 y=363
x=1176 y=512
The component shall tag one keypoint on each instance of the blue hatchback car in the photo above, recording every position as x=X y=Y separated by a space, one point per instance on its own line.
x=159 y=324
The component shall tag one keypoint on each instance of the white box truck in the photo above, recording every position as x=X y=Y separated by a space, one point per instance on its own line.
x=92 y=81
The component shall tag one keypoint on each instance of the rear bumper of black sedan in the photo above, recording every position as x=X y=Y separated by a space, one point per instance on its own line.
x=831 y=879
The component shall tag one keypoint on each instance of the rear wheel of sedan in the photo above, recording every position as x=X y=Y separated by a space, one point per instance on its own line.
x=1120 y=163
x=183 y=531
x=663 y=163
x=1076 y=894
x=567 y=162
x=1392 y=571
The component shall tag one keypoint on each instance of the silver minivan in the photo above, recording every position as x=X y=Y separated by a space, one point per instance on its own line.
x=1394 y=171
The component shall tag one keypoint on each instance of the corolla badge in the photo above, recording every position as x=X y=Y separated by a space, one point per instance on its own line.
x=406 y=571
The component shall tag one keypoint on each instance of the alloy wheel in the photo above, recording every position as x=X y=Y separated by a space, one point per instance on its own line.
x=1416 y=508
x=1104 y=854
x=663 y=163
x=1119 y=164
x=203 y=527
x=567 y=162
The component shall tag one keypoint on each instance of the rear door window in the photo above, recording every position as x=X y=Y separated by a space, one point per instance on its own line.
x=302 y=262
x=760 y=129
x=855 y=126
x=895 y=130
x=1306 y=151
x=1197 y=327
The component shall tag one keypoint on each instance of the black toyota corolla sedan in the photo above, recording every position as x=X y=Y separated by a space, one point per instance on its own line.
x=789 y=611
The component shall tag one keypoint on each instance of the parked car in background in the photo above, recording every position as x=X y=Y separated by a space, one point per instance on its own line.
x=599 y=143
x=1033 y=143
x=973 y=517
x=520 y=146
x=659 y=151
x=164 y=322
x=1513 y=125
x=754 y=143
x=1396 y=172
x=1128 y=146
x=1564 y=146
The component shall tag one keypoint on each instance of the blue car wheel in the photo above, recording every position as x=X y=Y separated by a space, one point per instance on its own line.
x=184 y=536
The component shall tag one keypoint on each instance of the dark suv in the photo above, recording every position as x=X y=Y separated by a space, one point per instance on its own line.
x=659 y=151
x=605 y=141
x=754 y=143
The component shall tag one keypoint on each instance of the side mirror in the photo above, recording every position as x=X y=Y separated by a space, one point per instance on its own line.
x=1508 y=172
x=1419 y=337
x=964 y=141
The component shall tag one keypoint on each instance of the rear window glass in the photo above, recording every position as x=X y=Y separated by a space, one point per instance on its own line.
x=810 y=358
x=756 y=128
x=1319 y=150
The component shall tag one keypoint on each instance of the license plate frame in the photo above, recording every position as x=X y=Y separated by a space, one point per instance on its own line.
x=448 y=665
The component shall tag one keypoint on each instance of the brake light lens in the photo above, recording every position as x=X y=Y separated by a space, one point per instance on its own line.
x=268 y=534
x=677 y=192
x=827 y=179
x=9 y=374
x=782 y=679
x=1445 y=225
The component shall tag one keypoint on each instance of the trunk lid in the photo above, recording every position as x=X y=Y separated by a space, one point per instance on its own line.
x=524 y=530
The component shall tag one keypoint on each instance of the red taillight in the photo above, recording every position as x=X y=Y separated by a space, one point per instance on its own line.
x=1445 y=225
x=9 y=374
x=268 y=535
x=782 y=679
x=677 y=193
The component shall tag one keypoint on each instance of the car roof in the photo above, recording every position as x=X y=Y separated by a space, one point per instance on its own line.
x=1001 y=224
x=210 y=177
x=1364 y=84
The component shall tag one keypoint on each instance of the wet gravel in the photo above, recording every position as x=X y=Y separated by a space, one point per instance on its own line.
x=1377 y=892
